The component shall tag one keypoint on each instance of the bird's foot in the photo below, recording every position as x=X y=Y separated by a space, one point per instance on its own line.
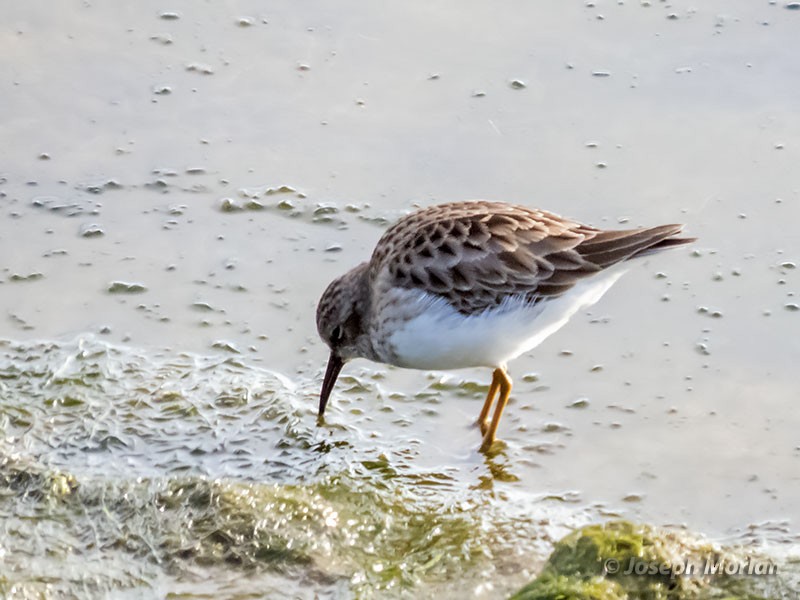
x=494 y=449
x=486 y=446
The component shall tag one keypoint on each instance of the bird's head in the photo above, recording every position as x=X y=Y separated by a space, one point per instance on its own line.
x=340 y=323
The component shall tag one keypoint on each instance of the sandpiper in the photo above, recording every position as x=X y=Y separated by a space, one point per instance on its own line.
x=470 y=284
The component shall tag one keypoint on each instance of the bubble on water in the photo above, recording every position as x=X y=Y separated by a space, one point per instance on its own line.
x=164 y=39
x=201 y=68
x=324 y=212
x=281 y=189
x=229 y=205
x=56 y=252
x=91 y=230
x=124 y=287
x=202 y=307
x=16 y=277
x=101 y=186
x=225 y=346
x=157 y=184
x=555 y=428
x=579 y=403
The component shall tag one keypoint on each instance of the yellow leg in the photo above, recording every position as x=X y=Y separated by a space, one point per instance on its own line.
x=483 y=419
x=504 y=383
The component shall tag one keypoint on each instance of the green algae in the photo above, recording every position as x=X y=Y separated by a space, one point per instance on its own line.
x=153 y=473
x=123 y=468
x=619 y=559
x=550 y=586
x=346 y=528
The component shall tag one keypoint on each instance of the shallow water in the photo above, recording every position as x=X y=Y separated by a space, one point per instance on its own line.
x=175 y=194
x=194 y=466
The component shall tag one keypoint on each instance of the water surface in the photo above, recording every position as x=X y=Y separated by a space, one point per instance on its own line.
x=179 y=183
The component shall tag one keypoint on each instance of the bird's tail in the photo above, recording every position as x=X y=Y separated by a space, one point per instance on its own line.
x=610 y=247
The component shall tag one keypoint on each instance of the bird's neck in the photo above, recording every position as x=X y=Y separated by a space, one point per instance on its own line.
x=360 y=284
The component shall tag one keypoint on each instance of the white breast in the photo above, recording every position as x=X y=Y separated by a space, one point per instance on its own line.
x=439 y=337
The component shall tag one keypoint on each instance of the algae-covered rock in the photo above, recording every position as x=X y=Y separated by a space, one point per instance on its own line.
x=620 y=559
x=241 y=524
x=551 y=586
x=354 y=533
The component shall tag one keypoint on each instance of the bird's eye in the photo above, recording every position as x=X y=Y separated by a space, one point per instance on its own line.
x=337 y=334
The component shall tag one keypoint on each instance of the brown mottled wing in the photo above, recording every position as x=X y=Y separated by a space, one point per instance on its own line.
x=476 y=254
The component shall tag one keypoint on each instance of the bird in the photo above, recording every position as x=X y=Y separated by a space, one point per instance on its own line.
x=473 y=284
